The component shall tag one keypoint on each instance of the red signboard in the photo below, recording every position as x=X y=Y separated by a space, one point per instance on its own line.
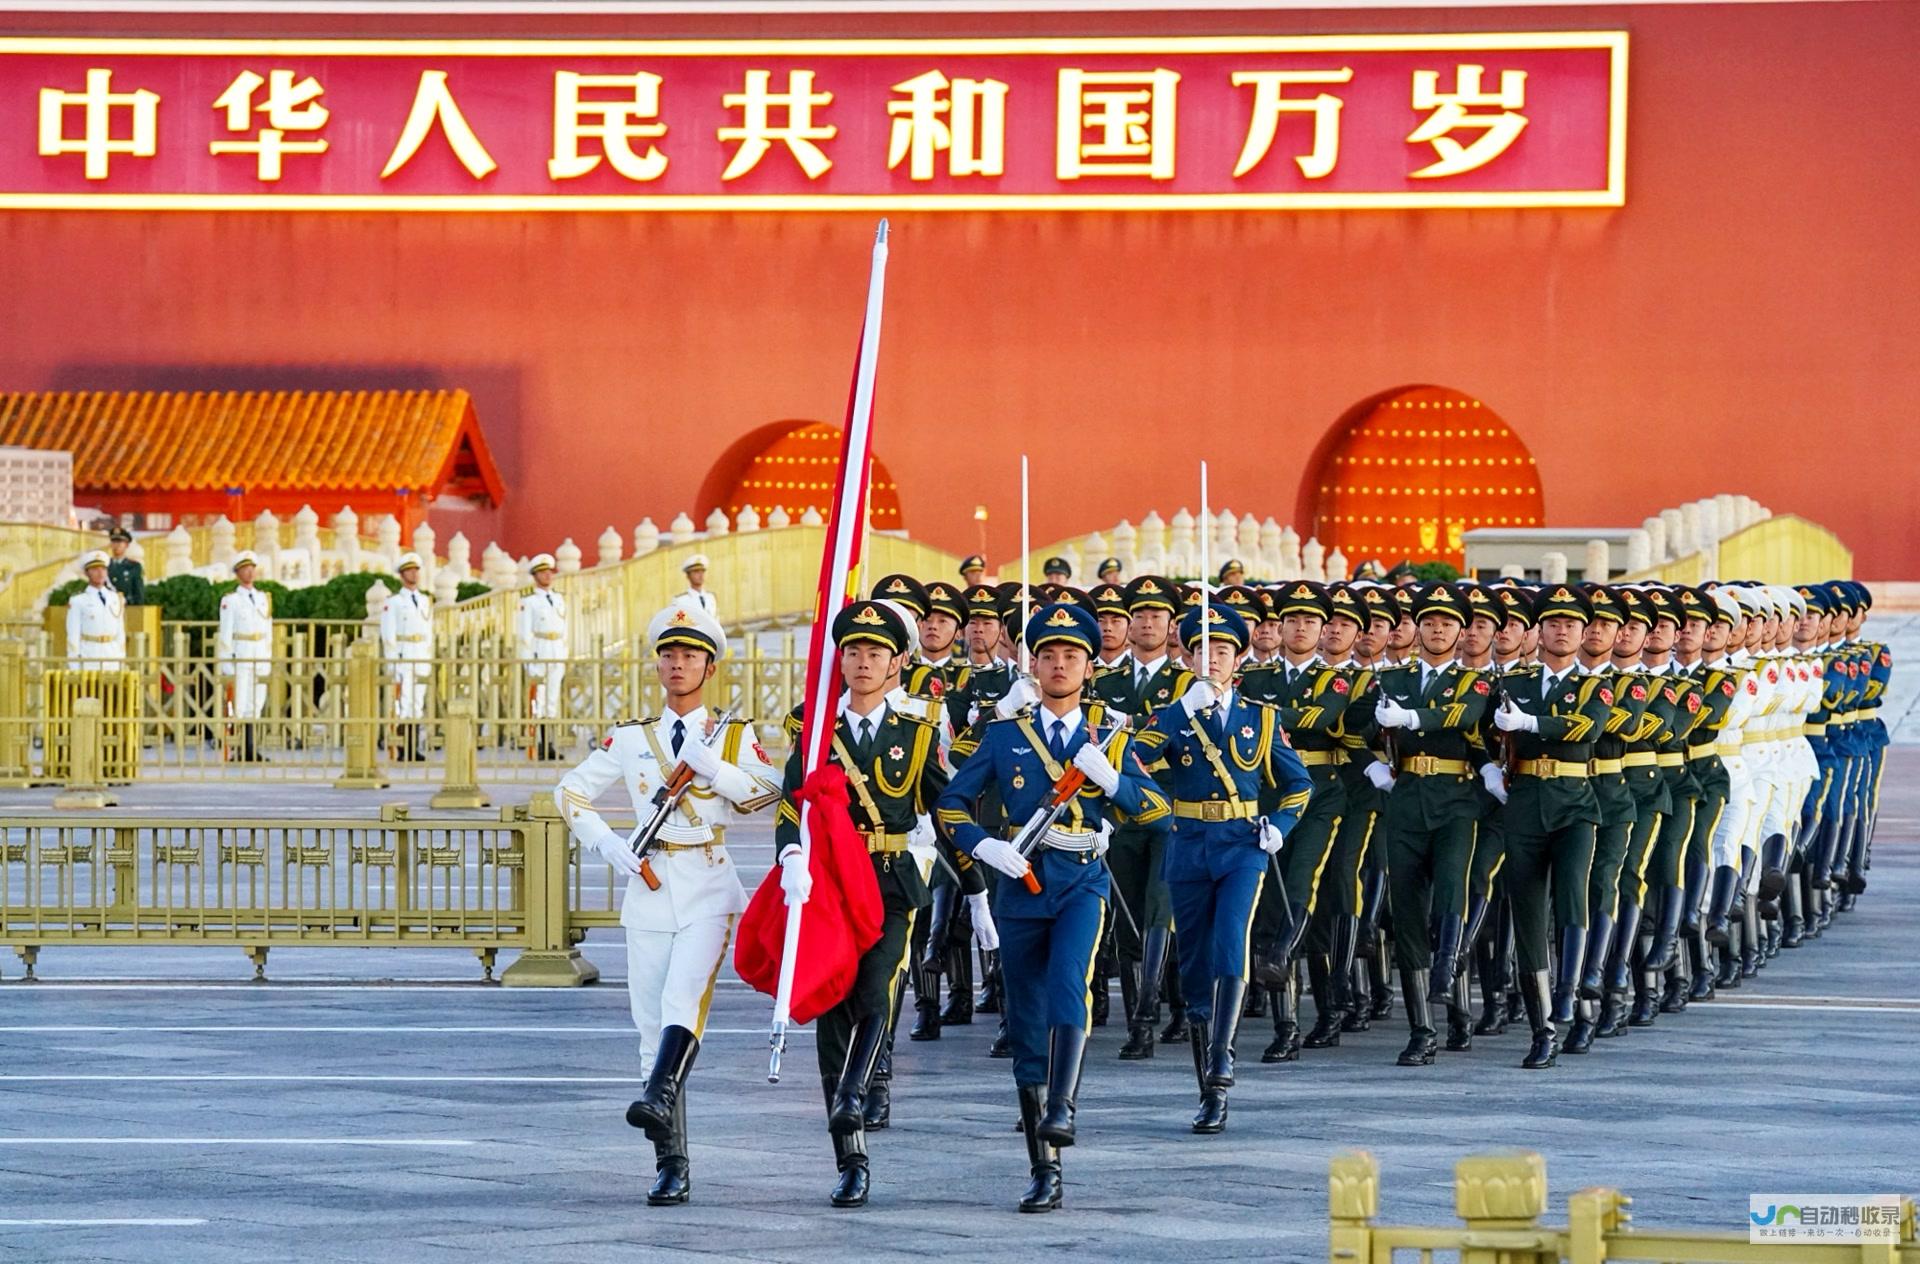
x=1168 y=124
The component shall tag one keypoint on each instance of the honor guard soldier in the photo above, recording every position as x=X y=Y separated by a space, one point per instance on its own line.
x=96 y=621
x=894 y=773
x=973 y=571
x=1555 y=714
x=1427 y=711
x=1312 y=699
x=244 y=646
x=682 y=899
x=1222 y=754
x=1375 y=950
x=406 y=642
x=695 y=569
x=940 y=626
x=127 y=576
x=1108 y=572
x=1056 y=570
x=1110 y=609
x=1334 y=928
x=1485 y=904
x=1052 y=906
x=1143 y=683
x=540 y=630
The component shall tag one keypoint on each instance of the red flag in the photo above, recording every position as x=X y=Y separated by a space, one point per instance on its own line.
x=843 y=914
x=843 y=886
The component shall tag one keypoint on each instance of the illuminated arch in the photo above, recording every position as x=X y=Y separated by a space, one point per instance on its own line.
x=791 y=464
x=1403 y=474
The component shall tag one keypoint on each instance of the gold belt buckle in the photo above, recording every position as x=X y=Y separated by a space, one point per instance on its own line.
x=1213 y=810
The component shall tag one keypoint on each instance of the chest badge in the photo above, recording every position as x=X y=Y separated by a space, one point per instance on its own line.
x=894 y=752
x=1019 y=779
x=1246 y=731
x=1186 y=761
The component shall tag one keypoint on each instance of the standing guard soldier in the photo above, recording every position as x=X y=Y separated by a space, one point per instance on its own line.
x=1312 y=698
x=540 y=629
x=1050 y=936
x=1221 y=753
x=973 y=570
x=1145 y=683
x=1554 y=714
x=244 y=646
x=96 y=621
x=406 y=642
x=680 y=914
x=127 y=576
x=893 y=768
x=1428 y=711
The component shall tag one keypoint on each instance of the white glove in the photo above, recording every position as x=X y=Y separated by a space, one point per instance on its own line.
x=702 y=758
x=1511 y=719
x=795 y=881
x=614 y=848
x=1494 y=780
x=1270 y=837
x=1002 y=855
x=1093 y=761
x=1200 y=695
x=1389 y=714
x=1381 y=776
x=921 y=835
x=1102 y=839
x=1019 y=698
x=985 y=933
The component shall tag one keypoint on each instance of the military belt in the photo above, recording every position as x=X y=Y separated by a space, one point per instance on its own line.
x=1433 y=766
x=1813 y=730
x=879 y=842
x=1544 y=768
x=548 y=636
x=1644 y=759
x=107 y=639
x=411 y=636
x=1724 y=749
x=1602 y=767
x=1320 y=759
x=1215 y=809
x=249 y=636
x=1698 y=753
x=1671 y=759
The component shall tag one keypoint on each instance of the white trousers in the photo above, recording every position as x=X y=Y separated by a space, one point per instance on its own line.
x=671 y=976
x=545 y=677
x=249 y=681
x=1730 y=833
x=410 y=697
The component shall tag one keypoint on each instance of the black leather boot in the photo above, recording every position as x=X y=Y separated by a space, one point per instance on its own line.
x=960 y=1002
x=653 y=1112
x=1002 y=1046
x=1793 y=928
x=1459 y=1016
x=1066 y=1052
x=1212 y=1116
x=672 y=1178
x=1326 y=1012
x=1102 y=973
x=1491 y=965
x=1626 y=937
x=1359 y=998
x=1678 y=988
x=1585 y=1024
x=1227 y=996
x=1773 y=866
x=1566 y=983
x=1286 y=1022
x=1379 y=978
x=1256 y=1006
x=1700 y=964
x=1146 y=1011
x=1752 y=938
x=1728 y=975
x=1726 y=881
x=1043 y=1160
x=926 y=1015
x=1340 y=990
x=1666 y=929
x=1646 y=999
x=849 y=1110
x=1593 y=969
x=1613 y=1015
x=849 y=1157
x=1446 y=954
x=1421 y=1043
x=879 y=1109
x=1535 y=995
x=1176 y=1029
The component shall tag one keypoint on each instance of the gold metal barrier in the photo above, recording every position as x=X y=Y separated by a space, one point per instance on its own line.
x=120 y=698
x=1500 y=1199
x=256 y=883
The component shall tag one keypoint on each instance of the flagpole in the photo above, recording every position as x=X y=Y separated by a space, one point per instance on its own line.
x=839 y=565
x=1206 y=572
x=1026 y=566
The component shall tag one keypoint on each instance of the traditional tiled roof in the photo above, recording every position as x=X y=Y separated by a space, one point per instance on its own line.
x=162 y=441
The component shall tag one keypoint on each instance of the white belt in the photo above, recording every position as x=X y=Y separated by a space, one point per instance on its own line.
x=1069 y=839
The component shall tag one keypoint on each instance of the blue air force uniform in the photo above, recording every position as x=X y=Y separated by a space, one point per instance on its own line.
x=1217 y=765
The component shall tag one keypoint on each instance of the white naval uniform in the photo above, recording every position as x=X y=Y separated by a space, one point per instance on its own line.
x=1737 y=819
x=702 y=598
x=406 y=642
x=244 y=646
x=96 y=630
x=540 y=627
x=677 y=936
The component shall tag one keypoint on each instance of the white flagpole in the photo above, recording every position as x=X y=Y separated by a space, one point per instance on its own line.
x=1206 y=578
x=1026 y=566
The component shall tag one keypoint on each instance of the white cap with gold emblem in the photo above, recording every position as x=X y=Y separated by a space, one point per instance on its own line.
x=91 y=559
x=407 y=561
x=698 y=562
x=687 y=623
x=541 y=562
x=245 y=557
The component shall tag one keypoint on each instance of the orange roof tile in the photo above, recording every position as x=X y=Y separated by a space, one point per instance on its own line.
x=257 y=440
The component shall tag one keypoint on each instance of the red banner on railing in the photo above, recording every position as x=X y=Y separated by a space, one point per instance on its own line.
x=1000 y=124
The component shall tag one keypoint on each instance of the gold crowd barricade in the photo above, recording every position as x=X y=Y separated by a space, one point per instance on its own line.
x=1500 y=1199
x=256 y=883
x=121 y=702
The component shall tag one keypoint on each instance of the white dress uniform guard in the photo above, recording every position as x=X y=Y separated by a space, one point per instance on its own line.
x=406 y=642
x=677 y=935
x=540 y=628
x=244 y=646
x=96 y=621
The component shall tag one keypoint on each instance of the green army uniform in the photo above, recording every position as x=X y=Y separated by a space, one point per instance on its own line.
x=1430 y=819
x=124 y=575
x=894 y=774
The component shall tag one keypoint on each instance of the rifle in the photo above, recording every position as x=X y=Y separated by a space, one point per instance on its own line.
x=665 y=800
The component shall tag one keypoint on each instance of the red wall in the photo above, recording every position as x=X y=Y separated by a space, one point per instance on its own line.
x=1747 y=323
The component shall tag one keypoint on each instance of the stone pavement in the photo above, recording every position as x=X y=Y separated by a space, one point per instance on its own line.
x=380 y=1105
